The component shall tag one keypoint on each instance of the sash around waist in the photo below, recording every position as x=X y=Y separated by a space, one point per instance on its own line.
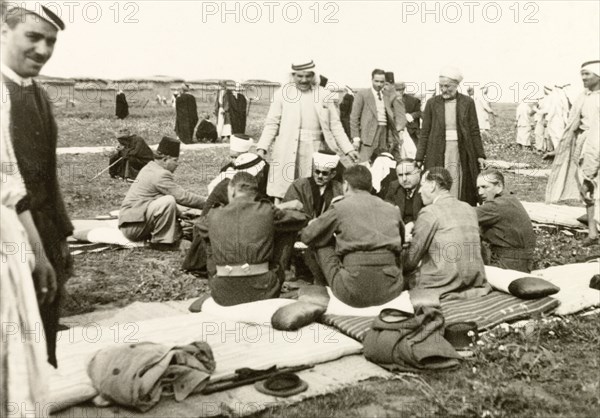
x=370 y=258
x=451 y=135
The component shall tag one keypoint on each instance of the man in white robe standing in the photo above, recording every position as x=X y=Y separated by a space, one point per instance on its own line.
x=302 y=120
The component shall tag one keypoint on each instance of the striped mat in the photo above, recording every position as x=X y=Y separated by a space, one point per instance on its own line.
x=487 y=311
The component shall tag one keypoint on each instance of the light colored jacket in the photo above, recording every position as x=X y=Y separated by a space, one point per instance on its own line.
x=363 y=119
x=282 y=125
x=153 y=182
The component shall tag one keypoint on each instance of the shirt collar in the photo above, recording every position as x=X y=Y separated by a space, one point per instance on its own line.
x=588 y=92
x=23 y=82
x=375 y=92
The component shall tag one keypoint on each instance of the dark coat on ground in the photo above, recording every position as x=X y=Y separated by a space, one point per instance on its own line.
x=207 y=131
x=34 y=136
x=122 y=107
x=187 y=117
x=432 y=141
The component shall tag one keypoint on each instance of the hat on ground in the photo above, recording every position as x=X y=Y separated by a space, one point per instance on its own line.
x=452 y=73
x=281 y=385
x=389 y=77
x=240 y=143
x=169 y=146
x=324 y=160
x=304 y=66
x=592 y=67
x=38 y=9
x=461 y=334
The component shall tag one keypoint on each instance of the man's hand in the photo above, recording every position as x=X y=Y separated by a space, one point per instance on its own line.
x=356 y=143
x=409 y=117
x=353 y=156
x=482 y=164
x=262 y=153
x=587 y=190
x=44 y=278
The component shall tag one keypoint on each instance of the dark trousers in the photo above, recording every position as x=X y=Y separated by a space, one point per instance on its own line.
x=366 y=278
x=229 y=291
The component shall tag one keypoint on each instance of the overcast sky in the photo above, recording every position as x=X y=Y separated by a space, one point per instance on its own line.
x=506 y=42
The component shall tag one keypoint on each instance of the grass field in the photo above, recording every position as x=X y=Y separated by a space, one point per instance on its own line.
x=549 y=370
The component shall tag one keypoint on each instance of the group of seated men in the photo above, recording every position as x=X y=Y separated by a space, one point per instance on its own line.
x=367 y=247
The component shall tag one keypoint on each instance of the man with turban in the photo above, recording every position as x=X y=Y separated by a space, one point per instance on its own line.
x=577 y=148
x=302 y=120
x=450 y=136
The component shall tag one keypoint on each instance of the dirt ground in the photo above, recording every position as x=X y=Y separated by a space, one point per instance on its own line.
x=549 y=370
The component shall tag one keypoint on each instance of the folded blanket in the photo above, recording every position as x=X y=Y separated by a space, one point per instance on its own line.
x=137 y=375
x=417 y=341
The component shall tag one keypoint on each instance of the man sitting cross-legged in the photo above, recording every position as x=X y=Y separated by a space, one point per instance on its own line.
x=315 y=194
x=243 y=258
x=445 y=253
x=150 y=208
x=361 y=265
x=505 y=225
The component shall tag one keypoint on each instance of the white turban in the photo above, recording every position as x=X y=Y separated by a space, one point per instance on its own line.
x=592 y=67
x=452 y=73
x=325 y=161
x=240 y=143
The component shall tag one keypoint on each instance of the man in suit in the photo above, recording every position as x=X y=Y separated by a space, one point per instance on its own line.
x=375 y=123
x=187 y=115
x=450 y=136
x=150 y=208
x=29 y=35
x=444 y=256
x=412 y=106
x=404 y=191
x=301 y=121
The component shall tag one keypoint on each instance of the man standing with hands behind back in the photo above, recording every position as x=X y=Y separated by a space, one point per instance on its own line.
x=29 y=33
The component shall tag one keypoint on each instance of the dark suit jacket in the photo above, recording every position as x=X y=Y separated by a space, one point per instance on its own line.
x=412 y=105
x=396 y=195
x=363 y=119
x=432 y=141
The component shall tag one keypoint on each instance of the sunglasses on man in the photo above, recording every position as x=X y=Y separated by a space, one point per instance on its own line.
x=323 y=173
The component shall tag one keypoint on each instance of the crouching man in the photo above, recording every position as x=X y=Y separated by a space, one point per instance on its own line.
x=244 y=262
x=361 y=265
x=150 y=208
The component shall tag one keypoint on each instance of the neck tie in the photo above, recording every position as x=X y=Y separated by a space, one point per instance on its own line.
x=379 y=95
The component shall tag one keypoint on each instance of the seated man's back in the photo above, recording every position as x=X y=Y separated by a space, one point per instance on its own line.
x=446 y=243
x=362 y=270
